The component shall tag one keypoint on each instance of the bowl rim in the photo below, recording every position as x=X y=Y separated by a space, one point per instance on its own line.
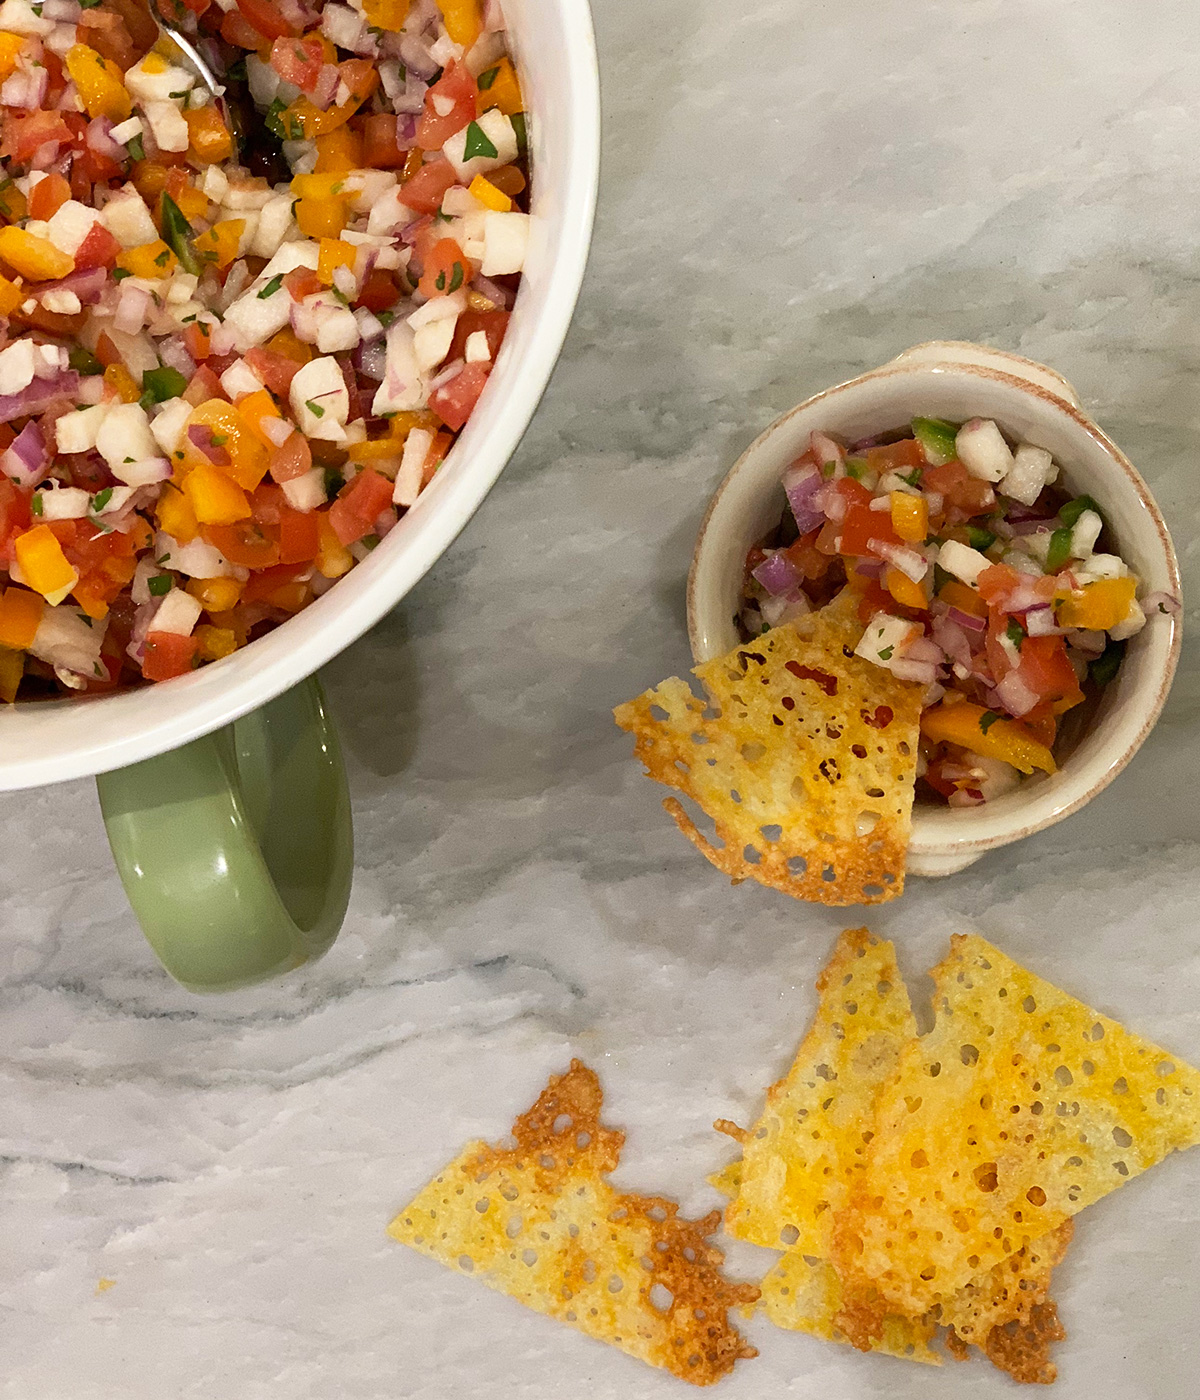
x=131 y=728
x=949 y=852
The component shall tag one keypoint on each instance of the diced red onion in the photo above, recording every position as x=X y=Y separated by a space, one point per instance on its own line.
x=785 y=607
x=416 y=56
x=87 y=285
x=26 y=460
x=200 y=435
x=326 y=86
x=174 y=355
x=1041 y=622
x=446 y=375
x=25 y=89
x=222 y=340
x=924 y=649
x=1015 y=696
x=498 y=295
x=862 y=445
x=913 y=565
x=493 y=17
x=98 y=138
x=1031 y=527
x=869 y=568
x=371 y=359
x=920 y=672
x=801 y=485
x=1160 y=603
x=45 y=155
x=967 y=620
x=825 y=450
x=132 y=306
x=952 y=639
x=778 y=574
x=39 y=396
x=831 y=501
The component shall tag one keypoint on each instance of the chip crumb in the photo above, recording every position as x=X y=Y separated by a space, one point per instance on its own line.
x=803 y=757
x=540 y=1222
x=105 y=1284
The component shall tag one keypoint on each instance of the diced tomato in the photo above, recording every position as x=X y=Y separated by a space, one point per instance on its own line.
x=236 y=29
x=301 y=282
x=959 y=488
x=299 y=535
x=14 y=511
x=48 y=196
x=204 y=386
x=292 y=459
x=268 y=19
x=54 y=322
x=94 y=167
x=425 y=191
x=25 y=136
x=379 y=291
x=1047 y=671
x=996 y=583
x=454 y=402
x=276 y=371
x=896 y=456
x=197 y=340
x=168 y=655
x=244 y=543
x=457 y=85
x=299 y=61
x=802 y=552
x=268 y=502
x=492 y=323
x=98 y=249
x=1040 y=724
x=360 y=504
x=381 y=147
x=860 y=524
x=108 y=34
x=446 y=269
x=875 y=598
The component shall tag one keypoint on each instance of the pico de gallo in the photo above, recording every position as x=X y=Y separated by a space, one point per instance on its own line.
x=975 y=574
x=237 y=338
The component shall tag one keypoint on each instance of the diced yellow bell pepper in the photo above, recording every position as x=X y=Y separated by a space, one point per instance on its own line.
x=215 y=642
x=149 y=260
x=503 y=90
x=122 y=383
x=334 y=254
x=386 y=14
x=216 y=499
x=11 y=296
x=253 y=409
x=34 y=257
x=489 y=196
x=401 y=424
x=310 y=121
x=964 y=598
x=288 y=343
x=193 y=204
x=100 y=84
x=333 y=558
x=44 y=567
x=219 y=245
x=338 y=152
x=907 y=593
x=209 y=137
x=1098 y=606
x=376 y=450
x=12 y=668
x=10 y=48
x=20 y=616
x=331 y=185
x=1004 y=739
x=464 y=23
x=215 y=594
x=247 y=455
x=175 y=514
x=910 y=516
x=321 y=218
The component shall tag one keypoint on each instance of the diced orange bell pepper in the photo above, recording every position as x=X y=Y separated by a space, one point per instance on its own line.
x=215 y=642
x=122 y=383
x=20 y=616
x=489 y=196
x=333 y=558
x=253 y=410
x=386 y=14
x=208 y=135
x=10 y=48
x=508 y=180
x=910 y=516
x=100 y=84
x=175 y=514
x=193 y=203
x=339 y=151
x=215 y=595
x=334 y=254
x=34 y=257
x=12 y=668
x=44 y=566
x=998 y=738
x=149 y=260
x=360 y=75
x=219 y=244
x=907 y=593
x=320 y=218
x=1098 y=606
x=11 y=296
x=959 y=595
x=503 y=90
x=215 y=498
x=247 y=455
x=464 y=23
x=48 y=196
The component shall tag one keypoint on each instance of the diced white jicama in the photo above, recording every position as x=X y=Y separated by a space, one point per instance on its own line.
x=478 y=352
x=126 y=217
x=457 y=202
x=124 y=438
x=168 y=424
x=444 y=50
x=18 y=17
x=306 y=492
x=1131 y=624
x=254 y=318
x=432 y=341
x=320 y=401
x=240 y=379
x=17 y=367
x=324 y=321
x=412 y=466
x=262 y=80
x=241 y=196
x=117 y=499
x=76 y=431
x=249 y=236
x=153 y=79
x=62 y=301
x=301 y=253
x=893 y=481
x=390 y=214
x=178 y=613
x=343 y=26
x=495 y=132
x=884 y=638
x=366 y=188
x=139 y=589
x=69 y=225
x=505 y=242
x=125 y=131
x=61 y=503
x=68 y=638
x=980 y=446
x=1033 y=468
x=1097 y=566
x=48 y=360
x=1085 y=534
x=167 y=123
x=275 y=226
x=214 y=182
x=962 y=561
x=182 y=288
x=403 y=387
x=197 y=558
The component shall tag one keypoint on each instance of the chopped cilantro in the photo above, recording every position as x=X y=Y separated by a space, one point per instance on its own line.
x=161 y=384
x=135 y=146
x=522 y=131
x=35 y=503
x=1015 y=632
x=120 y=273
x=478 y=144
x=272 y=287
x=83 y=361
x=886 y=653
x=314 y=408
x=159 y=584
x=485 y=80
x=101 y=499
x=987 y=719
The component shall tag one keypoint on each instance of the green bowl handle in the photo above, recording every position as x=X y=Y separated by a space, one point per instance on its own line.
x=236 y=850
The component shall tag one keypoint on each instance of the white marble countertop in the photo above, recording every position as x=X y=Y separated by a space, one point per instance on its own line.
x=789 y=197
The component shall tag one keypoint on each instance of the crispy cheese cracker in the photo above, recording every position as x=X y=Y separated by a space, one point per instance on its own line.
x=1018 y=1109
x=540 y=1222
x=804 y=757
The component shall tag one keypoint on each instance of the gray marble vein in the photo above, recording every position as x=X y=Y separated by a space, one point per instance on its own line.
x=792 y=193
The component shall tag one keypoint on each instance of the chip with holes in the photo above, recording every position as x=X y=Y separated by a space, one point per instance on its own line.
x=540 y=1222
x=1018 y=1109
x=804 y=758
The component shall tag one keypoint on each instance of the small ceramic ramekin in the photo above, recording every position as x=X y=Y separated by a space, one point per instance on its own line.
x=955 y=380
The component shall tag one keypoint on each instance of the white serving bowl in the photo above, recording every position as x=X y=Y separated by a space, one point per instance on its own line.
x=52 y=740
x=954 y=380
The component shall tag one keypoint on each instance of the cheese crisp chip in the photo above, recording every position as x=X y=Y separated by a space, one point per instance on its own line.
x=1018 y=1109
x=540 y=1222
x=804 y=757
